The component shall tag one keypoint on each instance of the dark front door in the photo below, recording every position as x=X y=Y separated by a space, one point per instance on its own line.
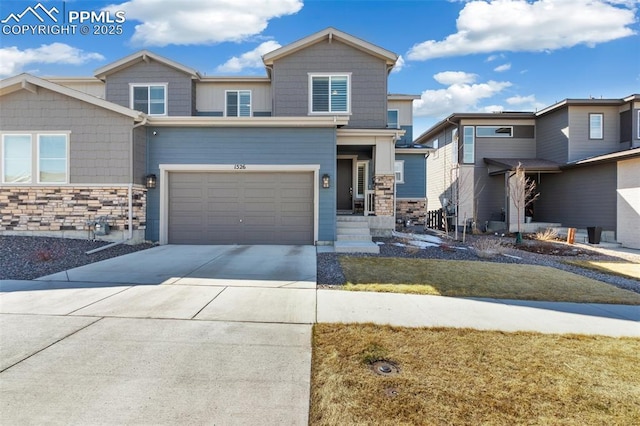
x=344 y=187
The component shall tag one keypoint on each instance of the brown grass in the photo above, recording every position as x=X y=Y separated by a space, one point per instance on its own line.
x=548 y=234
x=478 y=279
x=623 y=269
x=467 y=377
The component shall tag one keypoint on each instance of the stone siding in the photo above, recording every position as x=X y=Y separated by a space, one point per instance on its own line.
x=47 y=209
x=384 y=196
x=413 y=210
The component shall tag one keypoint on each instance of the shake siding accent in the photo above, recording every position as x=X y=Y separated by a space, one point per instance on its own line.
x=179 y=89
x=580 y=146
x=552 y=135
x=290 y=81
x=414 y=176
x=579 y=197
x=99 y=143
x=245 y=146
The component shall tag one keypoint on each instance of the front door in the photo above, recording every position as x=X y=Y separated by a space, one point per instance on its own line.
x=344 y=186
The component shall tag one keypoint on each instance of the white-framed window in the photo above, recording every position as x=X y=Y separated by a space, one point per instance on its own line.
x=329 y=93
x=393 y=119
x=238 y=103
x=596 y=126
x=468 y=145
x=149 y=98
x=494 y=131
x=361 y=176
x=46 y=153
x=399 y=171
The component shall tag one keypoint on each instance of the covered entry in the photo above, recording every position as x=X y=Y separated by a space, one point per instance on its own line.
x=240 y=207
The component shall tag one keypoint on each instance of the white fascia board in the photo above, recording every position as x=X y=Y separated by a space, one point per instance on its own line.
x=203 y=121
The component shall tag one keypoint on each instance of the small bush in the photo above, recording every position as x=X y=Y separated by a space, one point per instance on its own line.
x=548 y=234
x=44 y=255
x=486 y=248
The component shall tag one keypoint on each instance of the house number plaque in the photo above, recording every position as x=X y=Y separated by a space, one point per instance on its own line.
x=239 y=166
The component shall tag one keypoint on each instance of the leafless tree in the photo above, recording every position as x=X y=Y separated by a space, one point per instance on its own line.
x=522 y=191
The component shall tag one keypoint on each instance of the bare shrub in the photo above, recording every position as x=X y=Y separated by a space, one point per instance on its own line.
x=548 y=234
x=486 y=248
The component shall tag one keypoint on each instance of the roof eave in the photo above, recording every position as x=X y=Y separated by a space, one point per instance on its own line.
x=142 y=55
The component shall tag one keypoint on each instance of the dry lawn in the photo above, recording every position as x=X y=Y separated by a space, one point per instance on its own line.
x=624 y=269
x=478 y=279
x=467 y=377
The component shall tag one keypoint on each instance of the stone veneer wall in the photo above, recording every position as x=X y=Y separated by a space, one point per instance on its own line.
x=415 y=210
x=383 y=186
x=65 y=210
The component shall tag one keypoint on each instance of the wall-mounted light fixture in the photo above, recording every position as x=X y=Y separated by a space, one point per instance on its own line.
x=151 y=181
x=326 y=182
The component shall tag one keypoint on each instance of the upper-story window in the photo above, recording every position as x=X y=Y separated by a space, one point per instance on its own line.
x=595 y=126
x=494 y=131
x=393 y=122
x=468 y=145
x=149 y=98
x=329 y=93
x=49 y=157
x=238 y=103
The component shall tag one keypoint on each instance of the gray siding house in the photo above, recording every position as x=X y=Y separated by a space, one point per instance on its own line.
x=584 y=155
x=161 y=153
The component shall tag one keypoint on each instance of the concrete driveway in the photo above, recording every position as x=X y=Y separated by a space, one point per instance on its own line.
x=170 y=335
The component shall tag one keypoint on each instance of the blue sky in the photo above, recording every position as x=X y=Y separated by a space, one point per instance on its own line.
x=459 y=56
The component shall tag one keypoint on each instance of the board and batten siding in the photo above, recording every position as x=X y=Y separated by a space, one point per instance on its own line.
x=580 y=146
x=579 y=197
x=267 y=146
x=179 y=86
x=290 y=80
x=100 y=140
x=552 y=131
x=628 y=196
x=211 y=97
x=414 y=185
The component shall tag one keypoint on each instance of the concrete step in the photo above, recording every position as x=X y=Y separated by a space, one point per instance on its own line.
x=351 y=237
x=353 y=224
x=354 y=231
x=351 y=218
x=356 y=247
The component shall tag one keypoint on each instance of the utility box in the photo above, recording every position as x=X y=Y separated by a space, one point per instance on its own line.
x=101 y=227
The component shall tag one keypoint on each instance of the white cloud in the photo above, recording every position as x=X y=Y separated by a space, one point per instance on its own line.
x=455 y=77
x=525 y=103
x=519 y=25
x=14 y=60
x=502 y=68
x=492 y=58
x=251 y=59
x=459 y=97
x=399 y=64
x=167 y=22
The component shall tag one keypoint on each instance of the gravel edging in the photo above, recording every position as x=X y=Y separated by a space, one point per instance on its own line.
x=330 y=272
x=28 y=258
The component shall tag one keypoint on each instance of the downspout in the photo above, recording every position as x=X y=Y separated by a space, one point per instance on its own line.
x=131 y=148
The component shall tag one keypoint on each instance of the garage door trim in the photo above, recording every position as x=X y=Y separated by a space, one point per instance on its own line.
x=166 y=169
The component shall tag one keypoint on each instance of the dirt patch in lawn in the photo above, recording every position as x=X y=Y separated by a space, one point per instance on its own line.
x=467 y=377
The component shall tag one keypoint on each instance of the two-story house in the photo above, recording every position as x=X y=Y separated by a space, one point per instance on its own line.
x=160 y=152
x=583 y=154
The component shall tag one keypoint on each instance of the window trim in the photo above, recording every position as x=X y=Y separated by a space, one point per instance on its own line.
x=311 y=76
x=472 y=153
x=496 y=135
x=34 y=136
x=365 y=165
x=226 y=104
x=397 y=118
x=132 y=86
x=66 y=158
x=396 y=171
x=594 y=114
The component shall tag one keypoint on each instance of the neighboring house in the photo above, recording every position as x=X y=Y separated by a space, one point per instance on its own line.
x=165 y=154
x=584 y=155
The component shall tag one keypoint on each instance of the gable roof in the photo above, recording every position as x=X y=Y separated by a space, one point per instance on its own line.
x=32 y=83
x=142 y=56
x=330 y=34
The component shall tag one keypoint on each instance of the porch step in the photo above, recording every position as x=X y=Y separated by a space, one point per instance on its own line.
x=354 y=236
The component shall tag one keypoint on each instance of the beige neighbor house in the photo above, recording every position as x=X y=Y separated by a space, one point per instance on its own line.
x=583 y=154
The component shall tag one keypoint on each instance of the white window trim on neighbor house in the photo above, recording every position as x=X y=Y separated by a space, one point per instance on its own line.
x=239 y=94
x=397 y=123
x=312 y=76
x=398 y=168
x=596 y=132
x=34 y=157
x=133 y=86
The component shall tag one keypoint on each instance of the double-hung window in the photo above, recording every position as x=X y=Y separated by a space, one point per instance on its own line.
x=149 y=98
x=595 y=126
x=46 y=153
x=238 y=103
x=329 y=93
x=392 y=119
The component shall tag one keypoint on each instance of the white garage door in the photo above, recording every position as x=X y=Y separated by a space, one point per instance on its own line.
x=241 y=208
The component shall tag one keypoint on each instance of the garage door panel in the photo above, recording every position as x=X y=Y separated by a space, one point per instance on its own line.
x=241 y=208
